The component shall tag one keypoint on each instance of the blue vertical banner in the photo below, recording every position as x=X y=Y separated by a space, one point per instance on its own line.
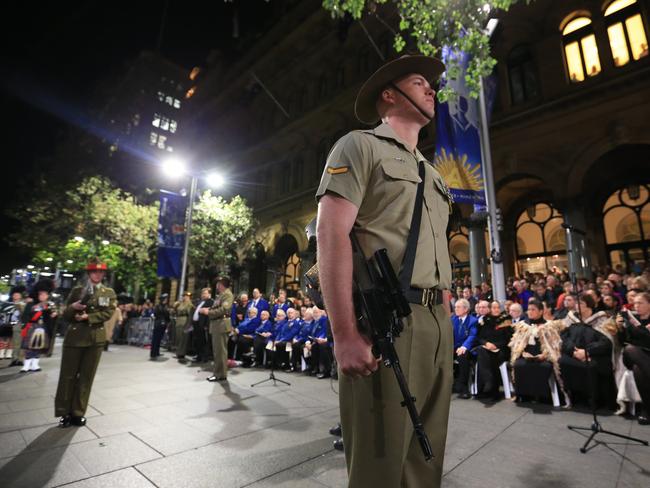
x=171 y=234
x=458 y=143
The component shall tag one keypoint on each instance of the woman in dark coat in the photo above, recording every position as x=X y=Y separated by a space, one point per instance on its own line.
x=635 y=329
x=494 y=332
x=586 y=361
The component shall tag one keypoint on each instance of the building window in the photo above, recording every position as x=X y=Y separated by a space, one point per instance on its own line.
x=153 y=138
x=161 y=141
x=161 y=96
x=459 y=251
x=156 y=120
x=177 y=103
x=626 y=219
x=521 y=74
x=173 y=125
x=580 y=49
x=164 y=123
x=291 y=276
x=541 y=241
x=626 y=32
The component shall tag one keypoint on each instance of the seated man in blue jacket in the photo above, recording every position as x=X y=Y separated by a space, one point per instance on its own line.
x=298 y=344
x=284 y=333
x=281 y=304
x=263 y=334
x=465 y=331
x=243 y=335
x=258 y=301
x=321 y=347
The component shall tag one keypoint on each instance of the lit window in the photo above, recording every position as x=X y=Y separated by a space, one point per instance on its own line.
x=156 y=120
x=580 y=49
x=626 y=220
x=161 y=96
x=170 y=148
x=164 y=123
x=161 y=141
x=173 y=125
x=194 y=73
x=541 y=240
x=625 y=31
x=190 y=92
x=169 y=100
x=153 y=138
x=177 y=103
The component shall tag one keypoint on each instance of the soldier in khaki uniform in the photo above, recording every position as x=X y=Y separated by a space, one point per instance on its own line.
x=369 y=184
x=87 y=308
x=183 y=312
x=220 y=327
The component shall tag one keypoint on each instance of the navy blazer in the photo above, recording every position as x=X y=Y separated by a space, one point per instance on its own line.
x=261 y=305
x=465 y=334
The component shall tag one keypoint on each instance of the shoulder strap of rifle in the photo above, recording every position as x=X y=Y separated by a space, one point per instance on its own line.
x=406 y=270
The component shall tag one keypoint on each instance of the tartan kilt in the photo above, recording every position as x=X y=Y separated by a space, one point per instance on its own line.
x=37 y=339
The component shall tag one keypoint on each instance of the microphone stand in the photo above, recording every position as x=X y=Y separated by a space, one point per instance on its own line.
x=272 y=375
x=595 y=427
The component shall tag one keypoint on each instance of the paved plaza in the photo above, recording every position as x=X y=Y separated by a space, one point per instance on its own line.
x=161 y=424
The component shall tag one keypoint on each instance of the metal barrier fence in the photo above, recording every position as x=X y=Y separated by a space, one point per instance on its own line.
x=139 y=331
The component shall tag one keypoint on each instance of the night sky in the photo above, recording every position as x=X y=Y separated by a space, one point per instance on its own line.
x=59 y=51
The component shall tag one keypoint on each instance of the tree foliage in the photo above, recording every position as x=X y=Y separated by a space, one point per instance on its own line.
x=93 y=219
x=219 y=229
x=434 y=24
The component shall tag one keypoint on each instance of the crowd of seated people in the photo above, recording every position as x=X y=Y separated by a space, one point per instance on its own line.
x=289 y=335
x=588 y=346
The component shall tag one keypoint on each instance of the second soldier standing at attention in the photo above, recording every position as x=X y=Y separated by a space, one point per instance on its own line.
x=220 y=327
x=87 y=308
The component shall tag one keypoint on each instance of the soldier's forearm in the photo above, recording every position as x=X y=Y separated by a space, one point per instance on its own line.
x=335 y=270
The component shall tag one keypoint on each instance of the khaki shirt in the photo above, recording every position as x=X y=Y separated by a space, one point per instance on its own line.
x=100 y=308
x=375 y=170
x=220 y=312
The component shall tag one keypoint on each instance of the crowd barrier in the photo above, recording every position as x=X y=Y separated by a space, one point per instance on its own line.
x=139 y=331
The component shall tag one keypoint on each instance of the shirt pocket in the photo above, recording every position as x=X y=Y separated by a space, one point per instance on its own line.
x=398 y=186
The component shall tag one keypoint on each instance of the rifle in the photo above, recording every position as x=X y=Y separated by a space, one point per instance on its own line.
x=380 y=306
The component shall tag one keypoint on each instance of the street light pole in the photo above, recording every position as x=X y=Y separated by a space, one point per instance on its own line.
x=188 y=234
x=496 y=254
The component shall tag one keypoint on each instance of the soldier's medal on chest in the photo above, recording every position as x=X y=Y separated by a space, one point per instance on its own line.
x=103 y=301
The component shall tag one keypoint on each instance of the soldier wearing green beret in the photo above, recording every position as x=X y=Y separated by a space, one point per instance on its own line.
x=87 y=308
x=369 y=185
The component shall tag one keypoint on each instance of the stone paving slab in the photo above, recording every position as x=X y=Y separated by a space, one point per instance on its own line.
x=161 y=424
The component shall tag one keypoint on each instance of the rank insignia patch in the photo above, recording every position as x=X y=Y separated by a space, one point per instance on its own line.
x=337 y=171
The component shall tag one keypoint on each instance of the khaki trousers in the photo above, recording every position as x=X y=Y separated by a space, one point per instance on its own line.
x=220 y=352
x=380 y=448
x=78 y=368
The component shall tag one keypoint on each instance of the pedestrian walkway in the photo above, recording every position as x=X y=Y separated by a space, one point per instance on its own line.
x=161 y=424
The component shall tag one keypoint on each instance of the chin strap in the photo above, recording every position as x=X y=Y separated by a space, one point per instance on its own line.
x=426 y=115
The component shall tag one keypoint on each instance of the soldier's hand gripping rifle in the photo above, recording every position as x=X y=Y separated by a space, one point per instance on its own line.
x=380 y=306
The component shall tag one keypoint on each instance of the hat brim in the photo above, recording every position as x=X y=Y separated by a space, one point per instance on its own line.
x=365 y=107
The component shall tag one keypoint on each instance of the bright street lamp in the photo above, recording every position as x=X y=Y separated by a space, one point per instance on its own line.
x=215 y=180
x=174 y=167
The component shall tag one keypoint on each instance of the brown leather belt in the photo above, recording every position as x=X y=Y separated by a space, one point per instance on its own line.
x=427 y=297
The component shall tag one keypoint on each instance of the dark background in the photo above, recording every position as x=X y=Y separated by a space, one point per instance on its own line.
x=54 y=54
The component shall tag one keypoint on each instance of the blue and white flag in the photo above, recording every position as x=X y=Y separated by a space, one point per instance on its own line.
x=458 y=144
x=171 y=234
